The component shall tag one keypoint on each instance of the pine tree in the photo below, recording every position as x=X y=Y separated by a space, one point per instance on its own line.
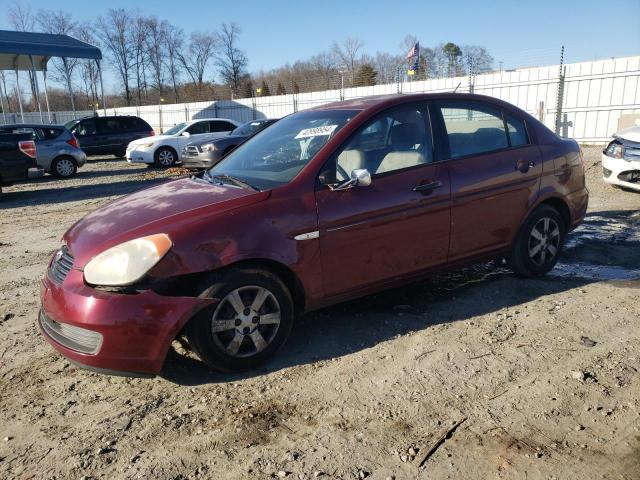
x=366 y=76
x=264 y=90
x=280 y=90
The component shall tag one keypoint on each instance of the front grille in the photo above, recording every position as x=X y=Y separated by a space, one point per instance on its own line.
x=61 y=265
x=191 y=151
x=72 y=337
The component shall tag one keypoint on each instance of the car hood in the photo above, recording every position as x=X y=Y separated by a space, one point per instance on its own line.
x=215 y=138
x=166 y=208
x=631 y=133
x=154 y=138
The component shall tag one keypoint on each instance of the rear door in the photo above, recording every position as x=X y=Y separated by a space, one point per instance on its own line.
x=399 y=224
x=113 y=135
x=495 y=174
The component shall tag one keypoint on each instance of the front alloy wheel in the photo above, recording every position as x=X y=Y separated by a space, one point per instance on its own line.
x=250 y=322
x=246 y=321
x=165 y=157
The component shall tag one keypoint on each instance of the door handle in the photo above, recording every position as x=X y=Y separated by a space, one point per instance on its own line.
x=524 y=166
x=426 y=188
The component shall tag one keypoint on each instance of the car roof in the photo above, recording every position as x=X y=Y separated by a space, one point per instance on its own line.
x=377 y=102
x=31 y=125
x=207 y=119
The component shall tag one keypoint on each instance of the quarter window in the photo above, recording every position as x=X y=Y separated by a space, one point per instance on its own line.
x=394 y=140
x=473 y=128
x=517 y=131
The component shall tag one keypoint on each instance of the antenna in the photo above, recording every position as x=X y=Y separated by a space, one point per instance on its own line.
x=456 y=89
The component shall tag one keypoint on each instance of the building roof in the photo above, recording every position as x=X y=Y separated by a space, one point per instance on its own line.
x=15 y=48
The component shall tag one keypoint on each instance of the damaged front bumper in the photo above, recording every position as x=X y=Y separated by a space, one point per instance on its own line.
x=127 y=334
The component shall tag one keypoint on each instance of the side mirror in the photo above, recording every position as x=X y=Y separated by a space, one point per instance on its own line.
x=360 y=177
x=185 y=134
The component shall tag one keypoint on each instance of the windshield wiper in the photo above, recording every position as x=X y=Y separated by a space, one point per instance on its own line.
x=234 y=181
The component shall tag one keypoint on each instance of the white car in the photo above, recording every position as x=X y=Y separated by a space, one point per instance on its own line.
x=165 y=150
x=621 y=159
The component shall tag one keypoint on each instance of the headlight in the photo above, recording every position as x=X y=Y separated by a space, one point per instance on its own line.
x=208 y=147
x=128 y=262
x=614 y=150
x=146 y=145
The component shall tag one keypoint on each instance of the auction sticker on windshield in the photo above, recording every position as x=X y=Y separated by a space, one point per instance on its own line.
x=316 y=131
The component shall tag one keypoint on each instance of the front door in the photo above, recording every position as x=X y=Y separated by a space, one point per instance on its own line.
x=495 y=174
x=397 y=225
x=86 y=131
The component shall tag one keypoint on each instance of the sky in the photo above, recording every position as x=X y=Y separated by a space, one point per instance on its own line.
x=517 y=33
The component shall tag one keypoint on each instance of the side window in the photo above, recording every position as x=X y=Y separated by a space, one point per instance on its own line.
x=394 y=140
x=109 y=125
x=221 y=126
x=198 y=127
x=517 y=131
x=473 y=128
x=86 y=127
x=127 y=124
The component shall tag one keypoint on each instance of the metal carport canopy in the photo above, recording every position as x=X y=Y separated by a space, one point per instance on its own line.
x=17 y=47
x=31 y=51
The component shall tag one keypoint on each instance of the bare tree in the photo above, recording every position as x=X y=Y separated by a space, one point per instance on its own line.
x=21 y=18
x=156 y=50
x=138 y=32
x=476 y=59
x=61 y=23
x=201 y=50
x=173 y=41
x=113 y=30
x=88 y=69
x=231 y=61
x=347 y=53
x=324 y=65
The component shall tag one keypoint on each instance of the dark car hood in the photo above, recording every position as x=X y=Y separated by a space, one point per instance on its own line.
x=160 y=209
x=223 y=139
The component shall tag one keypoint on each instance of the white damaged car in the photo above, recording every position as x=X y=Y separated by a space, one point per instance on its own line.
x=165 y=150
x=621 y=159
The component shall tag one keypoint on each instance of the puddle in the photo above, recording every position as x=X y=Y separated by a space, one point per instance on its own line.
x=615 y=229
x=593 y=272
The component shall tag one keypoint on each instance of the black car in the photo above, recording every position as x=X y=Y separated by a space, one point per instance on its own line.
x=108 y=135
x=206 y=152
x=17 y=158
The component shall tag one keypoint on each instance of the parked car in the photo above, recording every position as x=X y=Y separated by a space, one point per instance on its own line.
x=621 y=159
x=326 y=205
x=108 y=135
x=164 y=150
x=17 y=159
x=208 y=151
x=58 y=151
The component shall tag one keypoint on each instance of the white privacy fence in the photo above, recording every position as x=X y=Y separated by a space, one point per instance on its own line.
x=598 y=98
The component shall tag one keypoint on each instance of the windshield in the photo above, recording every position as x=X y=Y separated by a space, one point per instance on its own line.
x=274 y=156
x=175 y=129
x=249 y=128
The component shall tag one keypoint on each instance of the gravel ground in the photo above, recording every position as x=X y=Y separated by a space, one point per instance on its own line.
x=475 y=374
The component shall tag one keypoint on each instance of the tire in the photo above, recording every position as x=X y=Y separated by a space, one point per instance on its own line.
x=538 y=243
x=64 y=167
x=120 y=153
x=235 y=346
x=165 y=157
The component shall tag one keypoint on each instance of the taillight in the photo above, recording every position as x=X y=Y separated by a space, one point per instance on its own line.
x=152 y=133
x=73 y=141
x=28 y=147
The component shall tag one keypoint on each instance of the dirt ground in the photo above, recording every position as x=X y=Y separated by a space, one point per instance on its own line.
x=536 y=378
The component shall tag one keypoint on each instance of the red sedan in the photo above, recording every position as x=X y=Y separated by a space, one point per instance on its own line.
x=324 y=206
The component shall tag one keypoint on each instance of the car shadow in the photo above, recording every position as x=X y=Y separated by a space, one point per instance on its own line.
x=471 y=292
x=357 y=325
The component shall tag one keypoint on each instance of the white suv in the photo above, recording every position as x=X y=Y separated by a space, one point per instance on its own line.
x=165 y=150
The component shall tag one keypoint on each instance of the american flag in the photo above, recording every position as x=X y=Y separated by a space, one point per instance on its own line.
x=414 y=52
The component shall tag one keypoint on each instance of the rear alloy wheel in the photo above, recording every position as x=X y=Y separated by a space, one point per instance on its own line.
x=249 y=324
x=64 y=167
x=539 y=243
x=165 y=157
